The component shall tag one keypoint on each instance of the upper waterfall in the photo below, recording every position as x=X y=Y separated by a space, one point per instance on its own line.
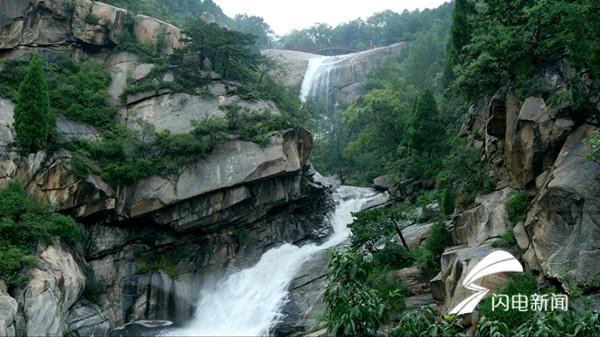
x=336 y=81
x=321 y=79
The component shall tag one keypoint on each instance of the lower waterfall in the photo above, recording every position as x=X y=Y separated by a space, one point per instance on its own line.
x=248 y=302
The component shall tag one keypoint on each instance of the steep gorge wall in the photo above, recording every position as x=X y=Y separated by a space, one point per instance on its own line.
x=538 y=145
x=219 y=213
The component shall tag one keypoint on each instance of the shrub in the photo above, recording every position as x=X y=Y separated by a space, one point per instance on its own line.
x=392 y=256
x=392 y=292
x=595 y=144
x=353 y=309
x=414 y=323
x=448 y=200
x=507 y=240
x=153 y=261
x=93 y=291
x=370 y=226
x=524 y=284
x=516 y=206
x=23 y=224
x=438 y=239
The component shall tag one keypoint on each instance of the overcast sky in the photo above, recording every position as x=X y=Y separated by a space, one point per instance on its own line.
x=285 y=15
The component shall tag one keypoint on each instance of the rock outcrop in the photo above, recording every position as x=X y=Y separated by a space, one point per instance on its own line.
x=563 y=221
x=538 y=145
x=56 y=283
x=50 y=23
x=292 y=65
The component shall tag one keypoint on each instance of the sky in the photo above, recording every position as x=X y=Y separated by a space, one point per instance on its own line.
x=285 y=15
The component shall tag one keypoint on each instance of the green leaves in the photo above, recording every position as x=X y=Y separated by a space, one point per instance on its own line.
x=23 y=223
x=353 y=309
x=516 y=206
x=35 y=124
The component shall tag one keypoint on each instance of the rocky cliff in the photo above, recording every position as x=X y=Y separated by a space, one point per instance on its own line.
x=150 y=245
x=539 y=147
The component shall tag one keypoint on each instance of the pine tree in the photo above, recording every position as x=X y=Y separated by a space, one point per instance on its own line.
x=425 y=133
x=460 y=35
x=35 y=124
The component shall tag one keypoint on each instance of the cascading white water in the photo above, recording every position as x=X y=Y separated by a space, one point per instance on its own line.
x=321 y=73
x=248 y=302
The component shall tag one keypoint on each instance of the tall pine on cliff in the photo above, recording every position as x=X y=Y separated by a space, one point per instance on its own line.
x=460 y=35
x=35 y=124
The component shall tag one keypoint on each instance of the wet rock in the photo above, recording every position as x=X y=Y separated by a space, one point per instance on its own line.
x=87 y=319
x=383 y=183
x=305 y=300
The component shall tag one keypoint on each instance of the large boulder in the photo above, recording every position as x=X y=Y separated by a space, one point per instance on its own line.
x=456 y=263
x=563 y=221
x=232 y=164
x=56 y=283
x=87 y=319
x=533 y=138
x=175 y=112
x=52 y=180
x=488 y=219
x=292 y=65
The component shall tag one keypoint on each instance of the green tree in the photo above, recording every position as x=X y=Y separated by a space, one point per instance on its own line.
x=256 y=26
x=425 y=133
x=35 y=124
x=230 y=53
x=460 y=35
x=353 y=308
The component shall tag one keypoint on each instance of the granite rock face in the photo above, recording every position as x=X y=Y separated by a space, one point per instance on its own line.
x=56 y=283
x=564 y=218
x=59 y=22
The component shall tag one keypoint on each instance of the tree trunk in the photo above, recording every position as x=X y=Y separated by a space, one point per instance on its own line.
x=399 y=231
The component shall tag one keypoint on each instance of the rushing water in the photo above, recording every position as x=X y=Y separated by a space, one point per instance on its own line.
x=320 y=78
x=248 y=302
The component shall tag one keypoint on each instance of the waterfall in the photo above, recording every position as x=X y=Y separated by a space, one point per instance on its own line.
x=321 y=80
x=248 y=302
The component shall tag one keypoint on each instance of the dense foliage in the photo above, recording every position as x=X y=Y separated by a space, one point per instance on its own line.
x=24 y=223
x=378 y=30
x=354 y=309
x=35 y=124
x=75 y=90
x=124 y=156
x=516 y=206
x=495 y=44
